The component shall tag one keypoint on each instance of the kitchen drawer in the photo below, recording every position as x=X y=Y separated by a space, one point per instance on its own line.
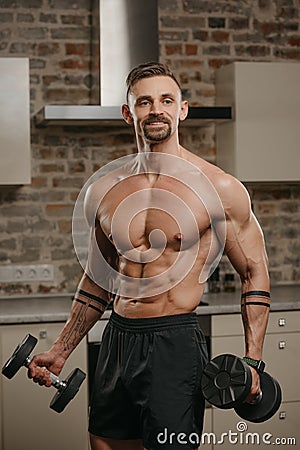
x=228 y=344
x=284 y=322
x=282 y=355
x=279 y=322
x=227 y=325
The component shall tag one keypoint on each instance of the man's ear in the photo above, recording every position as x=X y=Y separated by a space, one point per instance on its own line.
x=184 y=109
x=127 y=114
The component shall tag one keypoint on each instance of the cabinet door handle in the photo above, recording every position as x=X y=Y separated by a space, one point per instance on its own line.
x=281 y=322
x=282 y=415
x=43 y=334
x=282 y=345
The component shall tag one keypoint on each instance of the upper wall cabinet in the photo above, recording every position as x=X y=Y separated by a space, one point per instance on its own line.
x=262 y=142
x=15 y=167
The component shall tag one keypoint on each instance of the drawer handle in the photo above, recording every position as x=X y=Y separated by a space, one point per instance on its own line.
x=43 y=334
x=282 y=345
x=281 y=322
x=282 y=415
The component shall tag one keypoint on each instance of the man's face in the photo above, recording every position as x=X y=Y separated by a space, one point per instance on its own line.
x=156 y=107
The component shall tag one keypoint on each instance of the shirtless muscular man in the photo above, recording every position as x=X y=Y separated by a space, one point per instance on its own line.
x=157 y=222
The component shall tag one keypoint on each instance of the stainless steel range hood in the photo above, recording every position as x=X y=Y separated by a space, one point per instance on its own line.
x=125 y=34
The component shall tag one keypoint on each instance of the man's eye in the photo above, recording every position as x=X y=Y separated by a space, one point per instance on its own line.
x=144 y=103
x=168 y=101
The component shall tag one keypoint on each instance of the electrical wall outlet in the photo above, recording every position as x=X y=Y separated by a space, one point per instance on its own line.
x=19 y=273
x=32 y=272
x=45 y=272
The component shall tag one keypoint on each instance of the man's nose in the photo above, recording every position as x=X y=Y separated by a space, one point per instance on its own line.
x=156 y=107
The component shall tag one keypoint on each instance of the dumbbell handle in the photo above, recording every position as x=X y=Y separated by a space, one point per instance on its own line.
x=56 y=381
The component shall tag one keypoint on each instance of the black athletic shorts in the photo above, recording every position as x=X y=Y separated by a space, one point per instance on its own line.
x=147 y=381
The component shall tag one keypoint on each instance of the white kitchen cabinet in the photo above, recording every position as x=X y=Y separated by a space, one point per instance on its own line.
x=281 y=354
x=261 y=143
x=15 y=154
x=27 y=421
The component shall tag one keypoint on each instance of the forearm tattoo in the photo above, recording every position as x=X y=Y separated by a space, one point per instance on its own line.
x=81 y=323
x=262 y=298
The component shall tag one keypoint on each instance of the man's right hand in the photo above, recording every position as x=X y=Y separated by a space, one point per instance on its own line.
x=42 y=364
x=255 y=390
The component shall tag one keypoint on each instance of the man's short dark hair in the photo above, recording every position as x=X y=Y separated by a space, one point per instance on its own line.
x=147 y=70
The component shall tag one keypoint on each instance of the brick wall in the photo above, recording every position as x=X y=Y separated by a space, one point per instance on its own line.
x=196 y=37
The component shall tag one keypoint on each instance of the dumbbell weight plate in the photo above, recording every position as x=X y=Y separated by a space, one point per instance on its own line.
x=18 y=358
x=65 y=395
x=267 y=406
x=226 y=381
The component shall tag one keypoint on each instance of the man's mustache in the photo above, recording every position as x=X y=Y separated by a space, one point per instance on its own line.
x=160 y=118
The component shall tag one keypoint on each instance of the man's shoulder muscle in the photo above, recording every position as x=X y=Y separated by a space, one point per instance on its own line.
x=233 y=195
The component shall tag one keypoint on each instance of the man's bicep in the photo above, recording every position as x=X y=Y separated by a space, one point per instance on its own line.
x=245 y=248
x=102 y=261
x=91 y=205
x=106 y=247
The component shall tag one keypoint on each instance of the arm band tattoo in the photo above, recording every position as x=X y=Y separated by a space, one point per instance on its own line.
x=256 y=303
x=93 y=297
x=88 y=305
x=264 y=294
x=256 y=294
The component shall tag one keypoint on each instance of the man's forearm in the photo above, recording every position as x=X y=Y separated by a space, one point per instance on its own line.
x=255 y=306
x=89 y=303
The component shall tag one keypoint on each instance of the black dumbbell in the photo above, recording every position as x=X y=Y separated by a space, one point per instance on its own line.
x=66 y=390
x=226 y=383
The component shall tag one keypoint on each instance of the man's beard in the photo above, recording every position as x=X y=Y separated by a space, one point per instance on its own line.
x=157 y=135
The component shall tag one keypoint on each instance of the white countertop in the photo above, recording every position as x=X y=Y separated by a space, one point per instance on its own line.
x=55 y=308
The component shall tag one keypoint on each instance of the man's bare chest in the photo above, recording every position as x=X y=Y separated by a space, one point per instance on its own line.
x=144 y=212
